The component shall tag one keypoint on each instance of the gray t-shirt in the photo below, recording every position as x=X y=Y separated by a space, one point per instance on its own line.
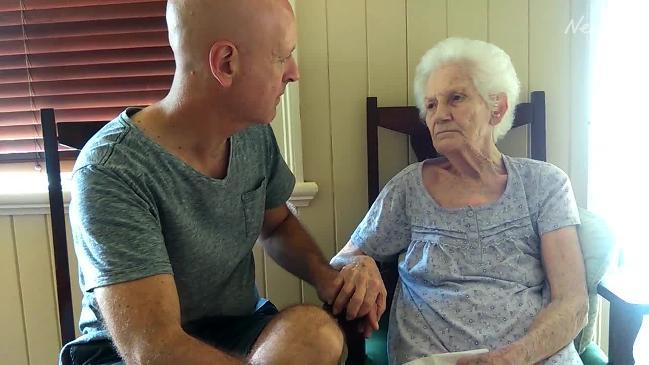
x=471 y=277
x=138 y=210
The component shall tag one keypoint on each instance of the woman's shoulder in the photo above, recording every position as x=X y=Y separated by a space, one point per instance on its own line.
x=413 y=172
x=409 y=173
x=534 y=169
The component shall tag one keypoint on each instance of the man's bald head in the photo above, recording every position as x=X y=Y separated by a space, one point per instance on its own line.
x=233 y=58
x=196 y=25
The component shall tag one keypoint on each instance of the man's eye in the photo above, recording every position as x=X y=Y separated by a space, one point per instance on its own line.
x=458 y=97
x=431 y=106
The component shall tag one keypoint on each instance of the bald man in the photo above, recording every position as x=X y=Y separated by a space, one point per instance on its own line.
x=168 y=202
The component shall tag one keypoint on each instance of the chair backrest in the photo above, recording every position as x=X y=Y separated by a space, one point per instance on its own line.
x=73 y=135
x=406 y=120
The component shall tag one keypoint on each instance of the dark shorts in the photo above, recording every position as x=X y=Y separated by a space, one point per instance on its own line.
x=235 y=335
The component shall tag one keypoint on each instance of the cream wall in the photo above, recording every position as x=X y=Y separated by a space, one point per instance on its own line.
x=28 y=314
x=348 y=49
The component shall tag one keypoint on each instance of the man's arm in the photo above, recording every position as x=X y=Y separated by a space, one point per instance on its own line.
x=560 y=321
x=356 y=288
x=290 y=245
x=143 y=317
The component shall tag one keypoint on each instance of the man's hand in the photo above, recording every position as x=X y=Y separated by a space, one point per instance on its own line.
x=328 y=285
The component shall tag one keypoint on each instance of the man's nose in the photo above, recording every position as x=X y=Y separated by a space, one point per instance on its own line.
x=292 y=73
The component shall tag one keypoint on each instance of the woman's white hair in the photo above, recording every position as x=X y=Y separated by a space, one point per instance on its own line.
x=491 y=70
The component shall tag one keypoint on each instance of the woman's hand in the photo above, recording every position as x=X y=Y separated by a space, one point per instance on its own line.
x=362 y=292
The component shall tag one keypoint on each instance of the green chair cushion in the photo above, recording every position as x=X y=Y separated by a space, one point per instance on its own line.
x=593 y=355
x=376 y=347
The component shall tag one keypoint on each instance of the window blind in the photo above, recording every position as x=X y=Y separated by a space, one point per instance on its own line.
x=86 y=59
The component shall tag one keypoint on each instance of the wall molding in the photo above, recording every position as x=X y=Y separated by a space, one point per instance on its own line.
x=28 y=203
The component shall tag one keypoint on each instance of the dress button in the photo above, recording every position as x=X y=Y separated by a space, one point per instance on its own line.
x=469 y=213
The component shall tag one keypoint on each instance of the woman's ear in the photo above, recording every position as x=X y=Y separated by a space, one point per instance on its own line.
x=499 y=108
x=224 y=59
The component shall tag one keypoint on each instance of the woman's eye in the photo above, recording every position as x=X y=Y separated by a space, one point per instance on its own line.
x=458 y=97
x=431 y=106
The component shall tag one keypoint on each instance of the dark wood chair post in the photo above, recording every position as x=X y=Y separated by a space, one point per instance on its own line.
x=372 y=150
x=57 y=213
x=537 y=150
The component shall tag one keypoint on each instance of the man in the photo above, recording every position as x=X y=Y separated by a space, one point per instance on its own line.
x=168 y=202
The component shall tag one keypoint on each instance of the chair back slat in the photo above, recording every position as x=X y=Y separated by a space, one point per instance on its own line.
x=406 y=120
x=57 y=216
x=73 y=135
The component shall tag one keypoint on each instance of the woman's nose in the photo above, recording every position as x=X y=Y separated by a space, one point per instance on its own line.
x=442 y=113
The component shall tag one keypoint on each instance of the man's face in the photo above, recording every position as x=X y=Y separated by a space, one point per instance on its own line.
x=266 y=70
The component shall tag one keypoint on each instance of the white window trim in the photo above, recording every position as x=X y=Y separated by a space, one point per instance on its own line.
x=289 y=126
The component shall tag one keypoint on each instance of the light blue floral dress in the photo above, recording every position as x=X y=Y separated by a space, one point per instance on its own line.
x=471 y=277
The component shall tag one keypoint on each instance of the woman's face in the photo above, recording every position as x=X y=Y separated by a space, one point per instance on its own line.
x=456 y=115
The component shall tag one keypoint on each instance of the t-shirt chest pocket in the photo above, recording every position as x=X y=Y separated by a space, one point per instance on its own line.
x=254 y=203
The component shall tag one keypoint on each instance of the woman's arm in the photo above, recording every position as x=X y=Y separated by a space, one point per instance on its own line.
x=349 y=254
x=561 y=320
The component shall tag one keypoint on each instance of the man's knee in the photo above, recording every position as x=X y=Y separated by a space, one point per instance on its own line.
x=312 y=321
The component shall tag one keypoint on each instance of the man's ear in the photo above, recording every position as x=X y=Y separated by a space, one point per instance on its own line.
x=224 y=59
x=499 y=108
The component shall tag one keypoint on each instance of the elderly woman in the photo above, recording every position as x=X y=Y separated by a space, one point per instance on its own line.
x=486 y=243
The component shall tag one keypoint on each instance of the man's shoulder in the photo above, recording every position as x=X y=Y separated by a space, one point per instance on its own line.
x=99 y=148
x=117 y=144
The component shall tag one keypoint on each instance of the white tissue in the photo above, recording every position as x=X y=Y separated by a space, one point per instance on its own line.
x=448 y=358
